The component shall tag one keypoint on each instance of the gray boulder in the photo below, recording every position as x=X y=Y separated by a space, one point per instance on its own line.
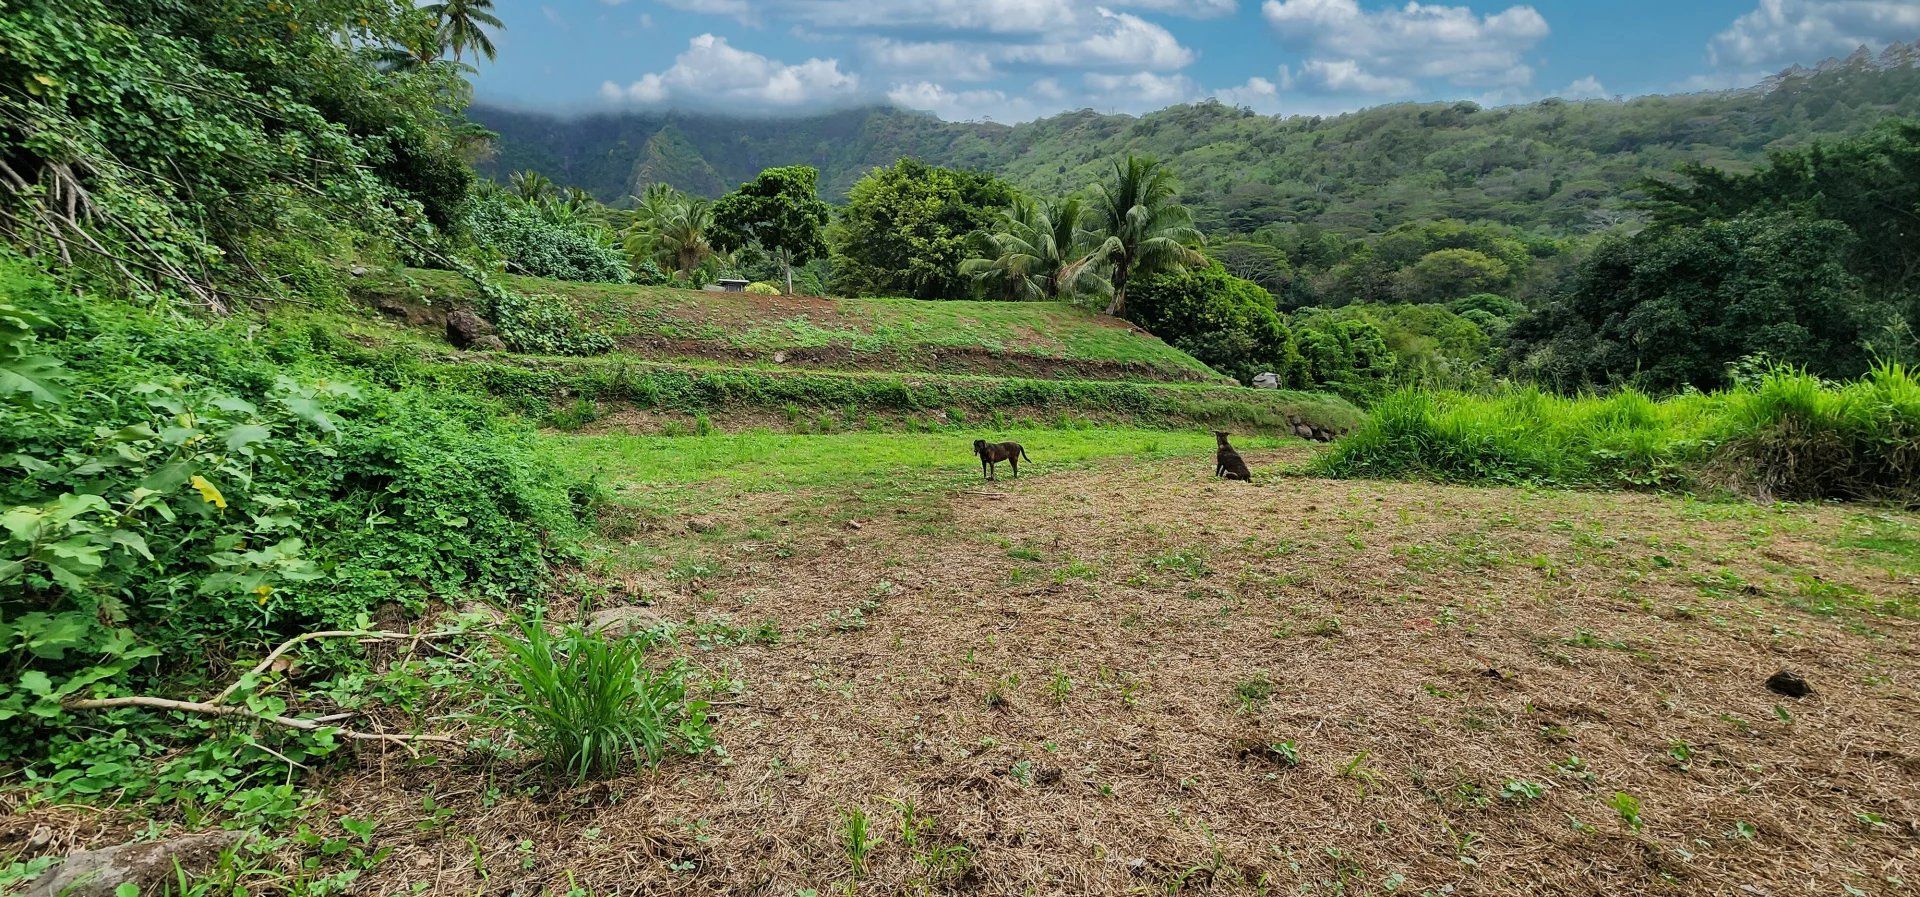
x=148 y=865
x=467 y=330
x=624 y=620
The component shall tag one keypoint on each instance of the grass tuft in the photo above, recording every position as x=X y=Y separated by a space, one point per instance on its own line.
x=587 y=702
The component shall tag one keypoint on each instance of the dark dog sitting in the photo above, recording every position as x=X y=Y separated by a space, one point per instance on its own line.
x=992 y=453
x=1227 y=462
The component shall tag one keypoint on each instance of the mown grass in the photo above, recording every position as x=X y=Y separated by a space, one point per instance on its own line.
x=1791 y=436
x=868 y=326
x=764 y=461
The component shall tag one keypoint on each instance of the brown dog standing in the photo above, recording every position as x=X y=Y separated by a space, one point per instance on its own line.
x=992 y=453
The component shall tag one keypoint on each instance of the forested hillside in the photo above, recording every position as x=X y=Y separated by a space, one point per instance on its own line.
x=1559 y=165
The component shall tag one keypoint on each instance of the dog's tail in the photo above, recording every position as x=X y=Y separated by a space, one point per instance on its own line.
x=1023 y=455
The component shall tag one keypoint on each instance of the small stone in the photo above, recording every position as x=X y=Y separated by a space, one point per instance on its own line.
x=700 y=525
x=1789 y=683
x=357 y=271
x=853 y=524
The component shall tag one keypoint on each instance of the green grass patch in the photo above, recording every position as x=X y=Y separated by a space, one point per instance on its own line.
x=1791 y=436
x=774 y=462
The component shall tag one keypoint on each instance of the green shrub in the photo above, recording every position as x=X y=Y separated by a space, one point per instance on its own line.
x=529 y=243
x=587 y=702
x=207 y=490
x=1228 y=323
x=763 y=288
x=544 y=324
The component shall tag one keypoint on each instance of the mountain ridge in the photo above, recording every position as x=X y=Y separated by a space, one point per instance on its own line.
x=1556 y=165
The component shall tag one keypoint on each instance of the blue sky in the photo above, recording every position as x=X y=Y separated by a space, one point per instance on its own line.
x=1014 y=60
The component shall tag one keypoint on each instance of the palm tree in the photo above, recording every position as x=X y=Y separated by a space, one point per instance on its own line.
x=463 y=25
x=671 y=228
x=531 y=186
x=1145 y=230
x=1040 y=251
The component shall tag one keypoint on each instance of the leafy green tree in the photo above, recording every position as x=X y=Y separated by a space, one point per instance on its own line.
x=1144 y=230
x=1447 y=274
x=906 y=228
x=1869 y=184
x=463 y=25
x=1265 y=265
x=1224 y=321
x=780 y=211
x=1345 y=354
x=1673 y=307
x=1038 y=250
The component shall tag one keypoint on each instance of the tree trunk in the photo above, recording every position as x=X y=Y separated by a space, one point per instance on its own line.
x=1121 y=269
x=788 y=265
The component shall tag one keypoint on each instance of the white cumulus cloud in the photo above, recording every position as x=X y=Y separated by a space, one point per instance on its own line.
x=1588 y=88
x=712 y=71
x=1780 y=33
x=1112 y=39
x=938 y=60
x=1387 y=50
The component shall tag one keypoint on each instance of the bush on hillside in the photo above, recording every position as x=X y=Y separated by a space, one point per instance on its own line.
x=1228 y=323
x=530 y=243
x=180 y=495
x=1790 y=436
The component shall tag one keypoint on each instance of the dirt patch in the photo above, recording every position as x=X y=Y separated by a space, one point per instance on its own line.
x=1078 y=681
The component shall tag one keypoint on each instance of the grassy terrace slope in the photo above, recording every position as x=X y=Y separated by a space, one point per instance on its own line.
x=1028 y=339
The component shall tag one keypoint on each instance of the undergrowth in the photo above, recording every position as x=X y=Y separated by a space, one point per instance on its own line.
x=177 y=495
x=1787 y=436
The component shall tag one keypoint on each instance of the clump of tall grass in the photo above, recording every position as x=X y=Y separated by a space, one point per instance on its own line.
x=1789 y=435
x=1795 y=437
x=588 y=702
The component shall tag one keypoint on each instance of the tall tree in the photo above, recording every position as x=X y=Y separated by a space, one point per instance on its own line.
x=906 y=230
x=672 y=228
x=779 y=210
x=464 y=24
x=1145 y=230
x=1040 y=250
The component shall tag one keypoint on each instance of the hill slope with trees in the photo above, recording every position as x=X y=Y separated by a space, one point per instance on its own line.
x=1564 y=166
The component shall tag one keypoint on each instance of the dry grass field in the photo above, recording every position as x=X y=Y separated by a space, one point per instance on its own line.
x=1120 y=676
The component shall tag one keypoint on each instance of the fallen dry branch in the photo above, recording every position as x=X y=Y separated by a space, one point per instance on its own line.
x=209 y=709
x=217 y=706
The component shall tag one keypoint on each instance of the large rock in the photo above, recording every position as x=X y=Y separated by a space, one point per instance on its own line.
x=148 y=865
x=624 y=620
x=467 y=330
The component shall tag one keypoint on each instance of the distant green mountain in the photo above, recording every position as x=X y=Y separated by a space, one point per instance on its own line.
x=1555 y=165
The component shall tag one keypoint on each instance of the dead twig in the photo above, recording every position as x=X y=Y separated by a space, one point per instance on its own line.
x=217 y=706
x=207 y=709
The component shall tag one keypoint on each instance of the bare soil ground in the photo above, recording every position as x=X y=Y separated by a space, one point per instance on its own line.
x=1095 y=681
x=1091 y=685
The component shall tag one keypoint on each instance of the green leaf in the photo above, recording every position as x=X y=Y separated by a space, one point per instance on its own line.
x=247 y=435
x=133 y=542
x=36 y=378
